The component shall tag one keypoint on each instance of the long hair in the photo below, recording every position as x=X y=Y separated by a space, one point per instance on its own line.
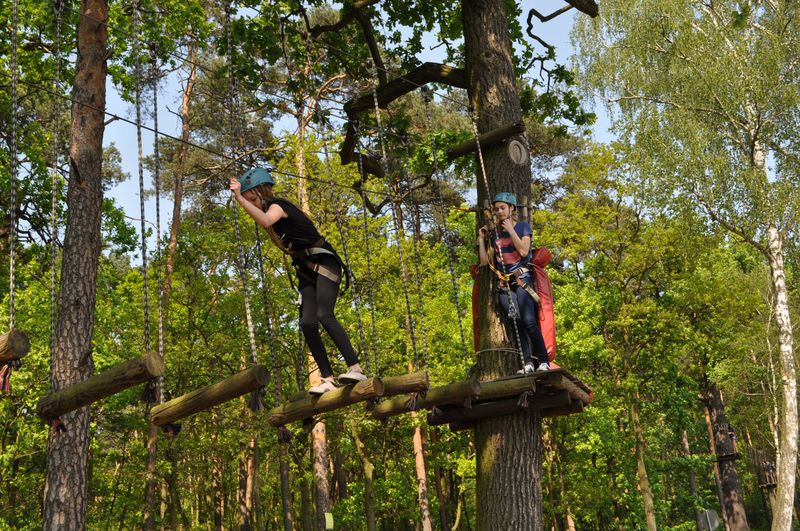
x=267 y=196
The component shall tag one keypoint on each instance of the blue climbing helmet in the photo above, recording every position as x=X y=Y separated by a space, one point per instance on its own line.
x=505 y=197
x=255 y=177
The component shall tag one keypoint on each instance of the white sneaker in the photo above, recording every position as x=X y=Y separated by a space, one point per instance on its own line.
x=322 y=388
x=527 y=369
x=352 y=377
x=543 y=367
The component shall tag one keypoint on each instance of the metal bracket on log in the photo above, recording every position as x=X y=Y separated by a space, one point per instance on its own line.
x=107 y=383
x=209 y=396
x=487 y=140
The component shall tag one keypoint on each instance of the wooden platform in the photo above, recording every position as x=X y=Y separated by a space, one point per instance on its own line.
x=553 y=393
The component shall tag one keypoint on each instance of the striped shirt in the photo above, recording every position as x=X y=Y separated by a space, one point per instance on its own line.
x=511 y=257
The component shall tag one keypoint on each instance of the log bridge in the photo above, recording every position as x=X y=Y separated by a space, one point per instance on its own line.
x=104 y=384
x=302 y=405
x=553 y=393
x=13 y=346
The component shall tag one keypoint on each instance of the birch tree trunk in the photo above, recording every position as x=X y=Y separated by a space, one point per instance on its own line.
x=787 y=451
x=641 y=469
x=66 y=484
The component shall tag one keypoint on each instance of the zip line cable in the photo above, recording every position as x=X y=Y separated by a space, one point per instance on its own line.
x=159 y=384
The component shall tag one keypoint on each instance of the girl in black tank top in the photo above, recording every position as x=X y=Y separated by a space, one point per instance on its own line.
x=319 y=271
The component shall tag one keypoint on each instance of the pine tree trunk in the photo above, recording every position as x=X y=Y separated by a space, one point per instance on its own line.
x=217 y=474
x=641 y=469
x=509 y=449
x=732 y=498
x=66 y=485
x=369 y=468
x=422 y=476
x=787 y=452
x=319 y=452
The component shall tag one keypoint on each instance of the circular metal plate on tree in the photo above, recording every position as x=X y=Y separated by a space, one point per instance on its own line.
x=517 y=152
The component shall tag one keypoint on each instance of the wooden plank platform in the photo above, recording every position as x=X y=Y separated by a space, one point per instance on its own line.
x=552 y=393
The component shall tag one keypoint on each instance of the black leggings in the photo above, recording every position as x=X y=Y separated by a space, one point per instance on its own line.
x=318 y=300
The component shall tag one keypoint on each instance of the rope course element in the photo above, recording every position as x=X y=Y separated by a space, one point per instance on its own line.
x=56 y=156
x=446 y=233
x=368 y=252
x=236 y=133
x=398 y=232
x=12 y=215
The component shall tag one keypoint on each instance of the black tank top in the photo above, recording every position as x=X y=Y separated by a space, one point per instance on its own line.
x=295 y=231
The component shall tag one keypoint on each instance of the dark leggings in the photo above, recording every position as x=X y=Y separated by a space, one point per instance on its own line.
x=527 y=323
x=318 y=300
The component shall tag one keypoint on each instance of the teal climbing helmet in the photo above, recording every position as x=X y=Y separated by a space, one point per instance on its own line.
x=505 y=197
x=255 y=177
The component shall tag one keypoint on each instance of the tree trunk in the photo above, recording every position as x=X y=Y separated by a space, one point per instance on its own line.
x=369 y=468
x=641 y=469
x=509 y=449
x=217 y=478
x=441 y=492
x=732 y=498
x=787 y=452
x=422 y=476
x=66 y=485
x=687 y=452
x=319 y=452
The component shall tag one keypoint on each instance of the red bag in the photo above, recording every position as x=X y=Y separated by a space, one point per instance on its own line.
x=547 y=316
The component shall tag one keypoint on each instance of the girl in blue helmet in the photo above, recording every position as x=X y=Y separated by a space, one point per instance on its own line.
x=513 y=239
x=319 y=270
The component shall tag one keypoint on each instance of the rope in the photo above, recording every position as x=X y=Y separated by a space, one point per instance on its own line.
x=416 y=238
x=159 y=384
x=369 y=258
x=12 y=235
x=511 y=304
x=235 y=132
x=267 y=314
x=138 y=104
x=57 y=8
x=397 y=228
x=446 y=231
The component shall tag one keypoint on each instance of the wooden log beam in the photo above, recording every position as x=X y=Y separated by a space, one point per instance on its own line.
x=497 y=408
x=308 y=406
x=487 y=140
x=588 y=7
x=405 y=383
x=507 y=387
x=107 y=383
x=400 y=86
x=209 y=396
x=559 y=381
x=455 y=393
x=13 y=346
